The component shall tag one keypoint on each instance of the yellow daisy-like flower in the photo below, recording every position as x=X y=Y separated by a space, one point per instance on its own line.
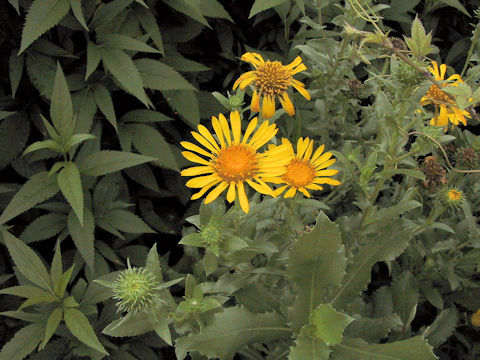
x=270 y=80
x=305 y=171
x=230 y=160
x=446 y=109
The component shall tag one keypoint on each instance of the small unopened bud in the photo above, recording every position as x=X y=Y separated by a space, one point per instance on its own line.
x=475 y=319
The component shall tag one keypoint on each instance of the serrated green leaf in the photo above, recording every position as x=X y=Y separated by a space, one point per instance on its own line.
x=51 y=131
x=308 y=348
x=124 y=42
x=152 y=263
x=356 y=349
x=185 y=102
x=61 y=286
x=83 y=236
x=405 y=298
x=149 y=24
x=230 y=330
x=148 y=141
x=26 y=291
x=180 y=63
x=79 y=326
x=262 y=5
x=315 y=262
x=28 y=263
x=23 y=343
x=45 y=144
x=387 y=245
x=442 y=328
x=42 y=15
x=16 y=63
x=14 y=3
x=188 y=8
x=76 y=139
x=127 y=222
x=144 y=116
x=53 y=321
x=46 y=47
x=44 y=227
x=159 y=76
x=106 y=162
x=329 y=324
x=70 y=185
x=61 y=109
x=93 y=59
x=124 y=70
x=41 y=72
x=212 y=8
x=106 y=13
x=14 y=131
x=76 y=6
x=457 y=5
x=56 y=268
x=38 y=188
x=392 y=212
x=133 y=324
x=105 y=104
x=372 y=330
x=143 y=174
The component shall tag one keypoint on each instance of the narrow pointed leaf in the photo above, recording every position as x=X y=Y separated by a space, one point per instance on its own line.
x=38 y=188
x=71 y=186
x=28 y=263
x=15 y=65
x=93 y=58
x=23 y=343
x=53 y=321
x=76 y=6
x=106 y=162
x=83 y=236
x=104 y=102
x=42 y=15
x=79 y=326
x=61 y=109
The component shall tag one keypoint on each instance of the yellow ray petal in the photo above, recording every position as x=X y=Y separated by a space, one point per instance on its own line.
x=314 y=187
x=247 y=75
x=207 y=135
x=189 y=146
x=195 y=158
x=196 y=170
x=286 y=104
x=290 y=193
x=204 y=142
x=231 y=192
x=326 y=180
x=328 y=172
x=201 y=181
x=253 y=58
x=304 y=191
x=255 y=104
x=199 y=194
x=299 y=68
x=268 y=107
x=236 y=126
x=325 y=164
x=262 y=189
x=309 y=150
x=301 y=146
x=315 y=160
x=212 y=195
x=218 y=131
x=297 y=61
x=251 y=126
x=280 y=190
x=443 y=70
x=247 y=81
x=225 y=128
x=301 y=88
x=243 y=198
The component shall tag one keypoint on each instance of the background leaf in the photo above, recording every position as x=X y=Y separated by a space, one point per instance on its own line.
x=71 y=186
x=106 y=162
x=79 y=326
x=83 y=236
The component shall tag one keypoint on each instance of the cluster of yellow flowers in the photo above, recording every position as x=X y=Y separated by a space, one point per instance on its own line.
x=232 y=158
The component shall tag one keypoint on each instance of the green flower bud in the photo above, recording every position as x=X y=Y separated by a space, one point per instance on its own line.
x=135 y=289
x=452 y=197
x=211 y=236
x=235 y=102
x=406 y=74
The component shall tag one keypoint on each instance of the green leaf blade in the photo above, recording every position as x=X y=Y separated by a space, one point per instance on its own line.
x=70 y=185
x=83 y=235
x=106 y=162
x=79 y=326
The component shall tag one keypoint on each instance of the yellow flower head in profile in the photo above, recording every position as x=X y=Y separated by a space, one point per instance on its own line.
x=305 y=171
x=231 y=160
x=446 y=109
x=270 y=81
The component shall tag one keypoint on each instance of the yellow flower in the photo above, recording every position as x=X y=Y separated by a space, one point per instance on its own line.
x=446 y=109
x=305 y=171
x=271 y=80
x=232 y=160
x=475 y=319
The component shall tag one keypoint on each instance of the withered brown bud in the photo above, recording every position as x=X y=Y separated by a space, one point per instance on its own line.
x=434 y=173
x=467 y=158
x=355 y=85
x=399 y=44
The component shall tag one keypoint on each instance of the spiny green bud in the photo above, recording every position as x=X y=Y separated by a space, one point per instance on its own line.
x=235 y=102
x=135 y=289
x=406 y=74
x=211 y=235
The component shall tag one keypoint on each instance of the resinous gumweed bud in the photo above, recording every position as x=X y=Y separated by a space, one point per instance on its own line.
x=235 y=102
x=135 y=289
x=211 y=236
x=453 y=197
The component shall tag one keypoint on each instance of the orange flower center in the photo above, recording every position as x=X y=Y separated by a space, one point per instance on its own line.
x=454 y=195
x=438 y=96
x=236 y=163
x=299 y=173
x=272 y=78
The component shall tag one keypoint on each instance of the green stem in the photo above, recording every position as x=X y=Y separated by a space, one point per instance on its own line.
x=475 y=36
